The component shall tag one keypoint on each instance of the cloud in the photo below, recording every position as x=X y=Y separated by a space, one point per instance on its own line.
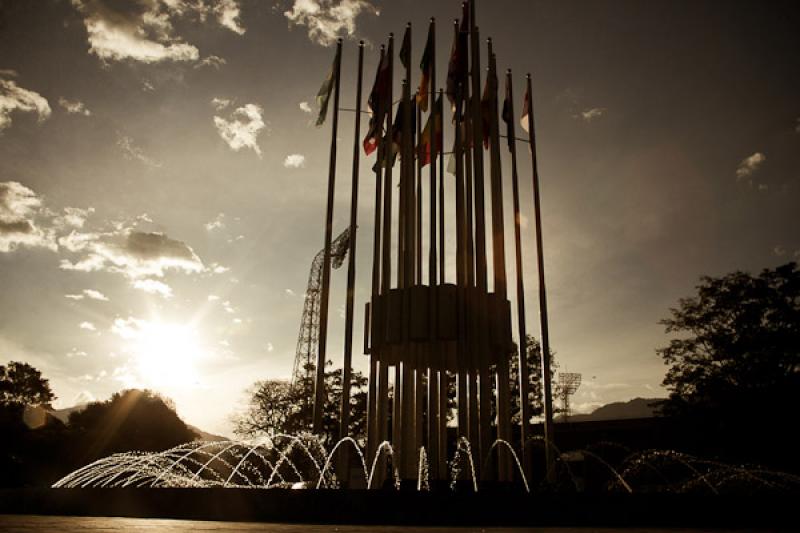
x=294 y=161
x=20 y=214
x=74 y=107
x=217 y=223
x=88 y=326
x=91 y=294
x=592 y=114
x=139 y=31
x=211 y=61
x=242 y=129
x=74 y=352
x=144 y=30
x=779 y=251
x=132 y=152
x=797 y=126
x=153 y=286
x=749 y=165
x=73 y=217
x=220 y=103
x=227 y=12
x=134 y=254
x=15 y=98
x=328 y=20
x=305 y=108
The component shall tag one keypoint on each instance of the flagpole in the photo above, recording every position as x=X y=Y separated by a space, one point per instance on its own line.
x=444 y=379
x=499 y=253
x=433 y=378
x=548 y=397
x=319 y=389
x=524 y=385
x=442 y=248
x=344 y=411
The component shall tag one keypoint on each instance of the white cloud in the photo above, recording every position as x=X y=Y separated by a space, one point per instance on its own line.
x=74 y=107
x=140 y=31
x=91 y=294
x=213 y=297
x=305 y=108
x=153 y=286
x=328 y=20
x=294 y=161
x=749 y=165
x=73 y=217
x=211 y=61
x=242 y=129
x=270 y=347
x=217 y=223
x=88 y=326
x=227 y=12
x=216 y=268
x=132 y=152
x=15 y=98
x=592 y=114
x=134 y=254
x=220 y=103
x=779 y=251
x=20 y=209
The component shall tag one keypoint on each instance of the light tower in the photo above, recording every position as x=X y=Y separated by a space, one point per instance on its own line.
x=568 y=384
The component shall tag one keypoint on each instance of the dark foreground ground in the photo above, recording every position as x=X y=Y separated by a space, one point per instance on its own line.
x=73 y=524
x=648 y=512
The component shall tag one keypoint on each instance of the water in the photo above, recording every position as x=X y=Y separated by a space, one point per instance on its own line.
x=302 y=462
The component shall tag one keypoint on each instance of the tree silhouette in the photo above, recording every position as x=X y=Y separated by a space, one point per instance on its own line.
x=22 y=384
x=130 y=420
x=274 y=406
x=734 y=370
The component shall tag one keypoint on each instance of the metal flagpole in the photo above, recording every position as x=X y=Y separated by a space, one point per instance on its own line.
x=499 y=256
x=344 y=411
x=373 y=404
x=524 y=385
x=319 y=387
x=548 y=397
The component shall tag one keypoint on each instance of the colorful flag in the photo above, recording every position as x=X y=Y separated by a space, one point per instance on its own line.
x=378 y=104
x=405 y=49
x=324 y=93
x=397 y=130
x=457 y=68
x=526 y=109
x=434 y=123
x=425 y=66
x=507 y=118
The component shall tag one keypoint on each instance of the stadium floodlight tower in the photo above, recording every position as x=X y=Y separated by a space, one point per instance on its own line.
x=568 y=384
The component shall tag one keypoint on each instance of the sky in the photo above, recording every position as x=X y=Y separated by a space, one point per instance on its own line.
x=163 y=186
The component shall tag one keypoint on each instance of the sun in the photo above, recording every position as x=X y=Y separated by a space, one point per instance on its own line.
x=166 y=356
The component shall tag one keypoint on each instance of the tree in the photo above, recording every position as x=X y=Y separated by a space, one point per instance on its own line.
x=535 y=387
x=734 y=370
x=130 y=420
x=739 y=341
x=22 y=384
x=275 y=407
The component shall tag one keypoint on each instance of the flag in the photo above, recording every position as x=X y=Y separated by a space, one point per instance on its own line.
x=425 y=66
x=397 y=130
x=457 y=68
x=526 y=109
x=405 y=49
x=378 y=105
x=507 y=118
x=324 y=93
x=434 y=123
